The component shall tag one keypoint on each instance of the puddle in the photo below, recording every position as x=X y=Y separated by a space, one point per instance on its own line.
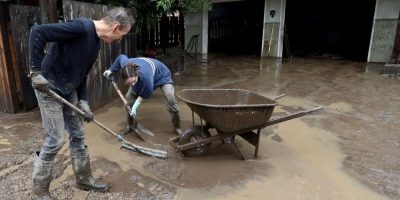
x=306 y=165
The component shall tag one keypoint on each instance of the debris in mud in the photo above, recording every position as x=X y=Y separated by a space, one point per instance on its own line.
x=17 y=185
x=169 y=169
x=154 y=190
x=385 y=117
x=393 y=76
x=276 y=138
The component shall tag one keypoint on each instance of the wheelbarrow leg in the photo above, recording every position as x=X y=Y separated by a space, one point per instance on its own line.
x=237 y=148
x=253 y=138
x=257 y=143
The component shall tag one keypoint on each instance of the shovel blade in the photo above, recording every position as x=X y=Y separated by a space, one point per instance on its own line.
x=141 y=131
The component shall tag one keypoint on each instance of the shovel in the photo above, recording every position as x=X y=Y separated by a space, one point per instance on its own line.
x=125 y=144
x=140 y=130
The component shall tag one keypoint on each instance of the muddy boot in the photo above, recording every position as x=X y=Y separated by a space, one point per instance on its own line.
x=83 y=174
x=175 y=122
x=42 y=176
x=127 y=130
x=129 y=127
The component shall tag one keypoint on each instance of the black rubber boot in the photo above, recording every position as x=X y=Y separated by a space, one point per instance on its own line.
x=129 y=125
x=83 y=173
x=42 y=176
x=176 y=122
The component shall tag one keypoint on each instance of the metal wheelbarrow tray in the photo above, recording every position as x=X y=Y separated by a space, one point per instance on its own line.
x=231 y=112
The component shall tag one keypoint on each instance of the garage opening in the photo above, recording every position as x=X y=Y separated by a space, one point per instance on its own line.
x=236 y=27
x=336 y=29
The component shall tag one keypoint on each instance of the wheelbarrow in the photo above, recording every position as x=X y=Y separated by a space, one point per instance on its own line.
x=230 y=112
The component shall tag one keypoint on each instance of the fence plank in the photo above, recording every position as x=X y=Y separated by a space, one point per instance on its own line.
x=22 y=18
x=8 y=95
x=48 y=10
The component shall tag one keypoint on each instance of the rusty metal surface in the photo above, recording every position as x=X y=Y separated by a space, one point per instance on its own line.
x=100 y=90
x=229 y=110
x=224 y=98
x=192 y=135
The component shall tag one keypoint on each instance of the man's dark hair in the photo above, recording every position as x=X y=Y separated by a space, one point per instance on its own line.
x=129 y=70
x=121 y=15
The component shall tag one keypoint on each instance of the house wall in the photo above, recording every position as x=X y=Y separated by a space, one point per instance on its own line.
x=272 y=40
x=381 y=43
x=383 y=30
x=196 y=24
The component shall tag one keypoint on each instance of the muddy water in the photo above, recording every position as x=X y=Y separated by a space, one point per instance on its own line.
x=347 y=151
x=4 y=141
x=305 y=163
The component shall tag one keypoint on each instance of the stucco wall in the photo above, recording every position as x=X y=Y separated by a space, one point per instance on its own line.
x=273 y=28
x=197 y=23
x=384 y=30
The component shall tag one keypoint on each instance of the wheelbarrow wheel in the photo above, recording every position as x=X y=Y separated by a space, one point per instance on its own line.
x=195 y=134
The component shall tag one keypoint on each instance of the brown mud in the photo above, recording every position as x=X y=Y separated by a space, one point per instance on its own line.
x=349 y=150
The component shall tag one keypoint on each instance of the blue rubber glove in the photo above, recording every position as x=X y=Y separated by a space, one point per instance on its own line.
x=134 y=108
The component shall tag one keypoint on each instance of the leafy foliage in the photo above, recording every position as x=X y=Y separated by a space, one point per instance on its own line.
x=160 y=6
x=195 y=5
x=148 y=12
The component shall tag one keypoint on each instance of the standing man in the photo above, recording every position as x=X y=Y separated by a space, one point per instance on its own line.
x=64 y=68
x=144 y=75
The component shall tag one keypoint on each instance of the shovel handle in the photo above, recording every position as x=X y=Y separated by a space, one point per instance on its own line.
x=59 y=98
x=120 y=94
x=141 y=149
x=290 y=116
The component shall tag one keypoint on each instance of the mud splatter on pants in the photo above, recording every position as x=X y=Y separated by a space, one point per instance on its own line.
x=56 y=118
x=169 y=95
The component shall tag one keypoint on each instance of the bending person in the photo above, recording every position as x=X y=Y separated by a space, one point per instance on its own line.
x=144 y=75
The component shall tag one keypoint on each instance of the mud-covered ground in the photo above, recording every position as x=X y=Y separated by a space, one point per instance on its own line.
x=349 y=150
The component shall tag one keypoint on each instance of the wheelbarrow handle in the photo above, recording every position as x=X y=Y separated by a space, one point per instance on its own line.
x=290 y=116
x=59 y=98
x=278 y=97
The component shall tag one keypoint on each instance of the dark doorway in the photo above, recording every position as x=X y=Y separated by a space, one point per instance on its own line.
x=331 y=29
x=236 y=27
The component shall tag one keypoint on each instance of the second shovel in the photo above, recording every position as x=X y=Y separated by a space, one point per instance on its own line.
x=138 y=128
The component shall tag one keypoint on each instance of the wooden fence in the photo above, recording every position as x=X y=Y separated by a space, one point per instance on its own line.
x=22 y=18
x=7 y=82
x=8 y=95
x=168 y=32
x=16 y=93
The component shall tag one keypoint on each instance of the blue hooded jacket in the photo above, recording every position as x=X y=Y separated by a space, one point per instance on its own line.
x=152 y=74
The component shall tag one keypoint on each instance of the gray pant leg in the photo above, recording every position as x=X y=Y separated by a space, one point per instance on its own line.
x=53 y=123
x=74 y=125
x=131 y=98
x=169 y=96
